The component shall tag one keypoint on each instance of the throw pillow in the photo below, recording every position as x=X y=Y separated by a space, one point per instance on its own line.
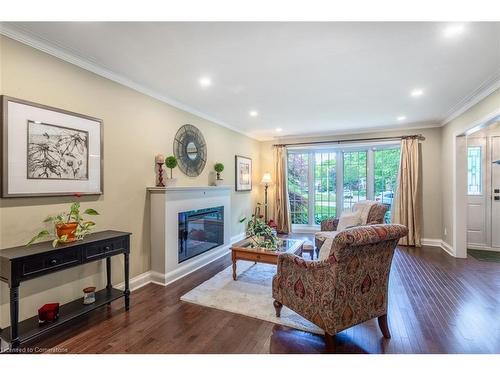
x=349 y=219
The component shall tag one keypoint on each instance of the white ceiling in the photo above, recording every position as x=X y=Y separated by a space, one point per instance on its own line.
x=306 y=78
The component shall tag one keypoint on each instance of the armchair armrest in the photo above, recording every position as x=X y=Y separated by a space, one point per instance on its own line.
x=329 y=225
x=304 y=285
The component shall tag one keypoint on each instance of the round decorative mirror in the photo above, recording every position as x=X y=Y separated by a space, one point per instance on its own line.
x=190 y=150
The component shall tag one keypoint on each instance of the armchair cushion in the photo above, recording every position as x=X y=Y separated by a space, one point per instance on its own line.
x=349 y=219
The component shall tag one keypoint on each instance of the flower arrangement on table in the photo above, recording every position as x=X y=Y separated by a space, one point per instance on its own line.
x=68 y=226
x=261 y=234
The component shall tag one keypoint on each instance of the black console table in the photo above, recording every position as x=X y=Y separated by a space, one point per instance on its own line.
x=23 y=263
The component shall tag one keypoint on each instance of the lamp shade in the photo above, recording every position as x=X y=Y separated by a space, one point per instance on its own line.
x=266 y=179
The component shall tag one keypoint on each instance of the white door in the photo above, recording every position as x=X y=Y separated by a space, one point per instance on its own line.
x=476 y=192
x=495 y=192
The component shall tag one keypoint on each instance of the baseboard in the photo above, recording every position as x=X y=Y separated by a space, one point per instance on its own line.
x=482 y=247
x=164 y=279
x=137 y=282
x=436 y=242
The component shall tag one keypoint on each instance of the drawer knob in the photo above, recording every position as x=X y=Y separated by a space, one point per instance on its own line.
x=107 y=248
x=53 y=261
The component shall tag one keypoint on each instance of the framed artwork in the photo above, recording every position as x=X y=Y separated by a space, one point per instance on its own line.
x=243 y=171
x=48 y=151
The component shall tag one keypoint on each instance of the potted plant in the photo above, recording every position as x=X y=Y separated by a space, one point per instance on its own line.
x=261 y=234
x=171 y=163
x=68 y=227
x=219 y=167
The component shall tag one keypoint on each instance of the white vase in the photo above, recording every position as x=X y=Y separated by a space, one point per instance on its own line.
x=170 y=181
x=219 y=182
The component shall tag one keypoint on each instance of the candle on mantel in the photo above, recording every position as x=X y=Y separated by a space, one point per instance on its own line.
x=160 y=159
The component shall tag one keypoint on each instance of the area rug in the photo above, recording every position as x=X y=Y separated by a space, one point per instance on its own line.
x=484 y=255
x=249 y=295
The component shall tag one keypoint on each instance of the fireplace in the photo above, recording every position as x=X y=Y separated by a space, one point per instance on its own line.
x=200 y=231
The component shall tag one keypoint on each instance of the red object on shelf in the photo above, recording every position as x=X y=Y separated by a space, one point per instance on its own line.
x=48 y=312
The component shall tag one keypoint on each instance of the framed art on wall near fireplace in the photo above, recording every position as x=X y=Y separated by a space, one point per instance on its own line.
x=48 y=151
x=243 y=171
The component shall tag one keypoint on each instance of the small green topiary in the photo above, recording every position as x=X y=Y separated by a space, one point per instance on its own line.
x=219 y=167
x=171 y=162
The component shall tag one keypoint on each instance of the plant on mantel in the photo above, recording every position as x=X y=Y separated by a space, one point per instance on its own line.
x=67 y=226
x=219 y=167
x=261 y=234
x=171 y=163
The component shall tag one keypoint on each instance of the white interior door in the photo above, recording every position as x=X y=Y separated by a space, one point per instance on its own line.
x=476 y=192
x=495 y=192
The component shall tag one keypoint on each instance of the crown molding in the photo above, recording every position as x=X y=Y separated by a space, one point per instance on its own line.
x=485 y=89
x=381 y=129
x=72 y=58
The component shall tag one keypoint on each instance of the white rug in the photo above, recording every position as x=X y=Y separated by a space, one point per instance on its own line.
x=250 y=295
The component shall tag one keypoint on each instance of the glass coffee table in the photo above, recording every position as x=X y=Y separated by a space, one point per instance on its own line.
x=243 y=250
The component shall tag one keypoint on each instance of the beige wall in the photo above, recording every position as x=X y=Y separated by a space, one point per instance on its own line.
x=431 y=173
x=136 y=127
x=450 y=131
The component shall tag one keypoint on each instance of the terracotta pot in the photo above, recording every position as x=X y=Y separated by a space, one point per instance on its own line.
x=68 y=229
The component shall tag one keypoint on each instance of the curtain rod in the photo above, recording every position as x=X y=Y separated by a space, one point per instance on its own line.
x=420 y=137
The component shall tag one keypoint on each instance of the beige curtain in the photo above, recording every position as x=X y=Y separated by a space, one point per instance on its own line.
x=407 y=204
x=281 y=204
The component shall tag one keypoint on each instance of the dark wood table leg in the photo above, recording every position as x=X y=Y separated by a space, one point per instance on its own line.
x=14 y=317
x=108 y=275
x=127 y=287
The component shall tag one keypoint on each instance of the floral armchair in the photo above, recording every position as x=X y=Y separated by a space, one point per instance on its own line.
x=328 y=228
x=347 y=288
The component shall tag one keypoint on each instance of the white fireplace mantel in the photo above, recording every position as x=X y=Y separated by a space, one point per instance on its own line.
x=166 y=204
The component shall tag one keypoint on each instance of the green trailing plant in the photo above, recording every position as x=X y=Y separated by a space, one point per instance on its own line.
x=260 y=233
x=171 y=163
x=219 y=167
x=74 y=218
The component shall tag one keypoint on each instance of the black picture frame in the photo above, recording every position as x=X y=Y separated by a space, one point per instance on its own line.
x=239 y=183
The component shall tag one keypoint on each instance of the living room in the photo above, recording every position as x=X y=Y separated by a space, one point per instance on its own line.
x=172 y=187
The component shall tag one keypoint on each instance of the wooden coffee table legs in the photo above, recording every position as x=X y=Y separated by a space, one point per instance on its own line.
x=233 y=257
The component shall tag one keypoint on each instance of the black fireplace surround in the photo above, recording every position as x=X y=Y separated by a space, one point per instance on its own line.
x=200 y=231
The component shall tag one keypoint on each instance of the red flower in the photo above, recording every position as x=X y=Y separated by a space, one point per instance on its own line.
x=78 y=195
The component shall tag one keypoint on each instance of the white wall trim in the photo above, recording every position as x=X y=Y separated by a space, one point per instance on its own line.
x=437 y=242
x=482 y=247
x=62 y=53
x=148 y=277
x=487 y=87
x=137 y=282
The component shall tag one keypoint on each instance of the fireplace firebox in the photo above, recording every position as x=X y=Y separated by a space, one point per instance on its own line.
x=200 y=231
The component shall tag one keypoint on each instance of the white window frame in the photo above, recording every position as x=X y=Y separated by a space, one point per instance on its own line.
x=339 y=149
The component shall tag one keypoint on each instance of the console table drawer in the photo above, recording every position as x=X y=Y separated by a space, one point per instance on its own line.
x=49 y=262
x=103 y=249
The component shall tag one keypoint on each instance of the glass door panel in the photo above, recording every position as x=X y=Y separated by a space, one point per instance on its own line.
x=298 y=187
x=325 y=186
x=386 y=166
x=354 y=183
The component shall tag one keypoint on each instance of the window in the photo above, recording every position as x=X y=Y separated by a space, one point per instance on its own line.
x=322 y=180
x=354 y=178
x=386 y=164
x=298 y=187
x=325 y=185
x=474 y=185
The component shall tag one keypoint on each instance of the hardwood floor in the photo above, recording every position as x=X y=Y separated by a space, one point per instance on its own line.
x=438 y=304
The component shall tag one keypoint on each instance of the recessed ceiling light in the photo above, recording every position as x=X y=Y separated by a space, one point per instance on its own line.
x=417 y=92
x=279 y=130
x=253 y=113
x=205 y=81
x=401 y=118
x=453 y=30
